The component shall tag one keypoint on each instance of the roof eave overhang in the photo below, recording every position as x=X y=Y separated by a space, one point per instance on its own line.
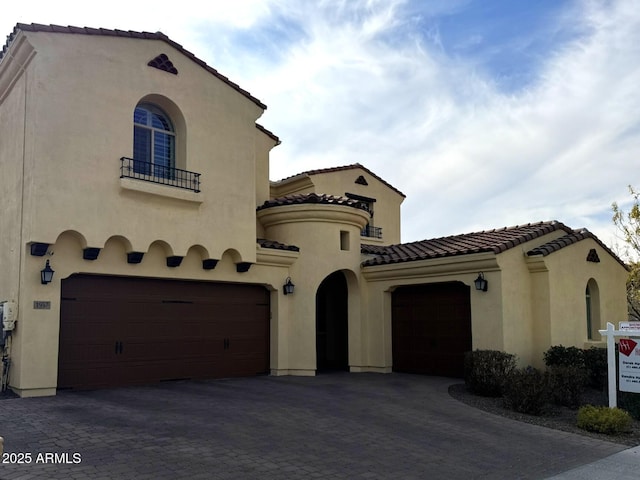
x=275 y=257
x=291 y=186
x=313 y=212
x=14 y=62
x=434 y=267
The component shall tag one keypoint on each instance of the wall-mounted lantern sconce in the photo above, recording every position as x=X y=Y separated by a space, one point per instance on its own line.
x=481 y=282
x=46 y=274
x=288 y=287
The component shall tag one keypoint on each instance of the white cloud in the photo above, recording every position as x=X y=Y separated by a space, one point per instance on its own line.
x=468 y=155
x=369 y=82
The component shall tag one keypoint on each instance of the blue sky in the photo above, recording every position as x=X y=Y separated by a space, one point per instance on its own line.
x=485 y=113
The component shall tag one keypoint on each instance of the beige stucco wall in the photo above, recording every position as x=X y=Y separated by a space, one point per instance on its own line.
x=317 y=230
x=382 y=280
x=82 y=93
x=339 y=182
x=264 y=144
x=386 y=208
x=531 y=303
x=35 y=349
x=13 y=88
x=67 y=118
x=520 y=301
x=569 y=273
x=540 y=308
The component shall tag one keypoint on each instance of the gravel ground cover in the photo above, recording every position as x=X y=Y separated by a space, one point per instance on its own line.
x=556 y=417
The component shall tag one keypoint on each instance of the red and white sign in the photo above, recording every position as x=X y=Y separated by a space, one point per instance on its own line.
x=629 y=363
x=626 y=346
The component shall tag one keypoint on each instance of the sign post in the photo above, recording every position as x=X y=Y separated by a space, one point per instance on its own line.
x=629 y=359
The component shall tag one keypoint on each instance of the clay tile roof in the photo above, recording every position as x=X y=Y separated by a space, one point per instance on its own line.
x=35 y=27
x=558 y=243
x=496 y=241
x=339 y=169
x=305 y=198
x=574 y=236
x=264 y=243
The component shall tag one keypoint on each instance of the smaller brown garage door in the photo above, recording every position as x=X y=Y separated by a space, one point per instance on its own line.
x=431 y=328
x=123 y=331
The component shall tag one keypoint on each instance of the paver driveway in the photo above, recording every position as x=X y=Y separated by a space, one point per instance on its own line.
x=330 y=426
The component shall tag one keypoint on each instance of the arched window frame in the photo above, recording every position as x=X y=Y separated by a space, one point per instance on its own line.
x=154 y=141
x=592 y=300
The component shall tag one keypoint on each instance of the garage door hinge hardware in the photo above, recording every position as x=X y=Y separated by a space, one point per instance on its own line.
x=226 y=343
x=118 y=348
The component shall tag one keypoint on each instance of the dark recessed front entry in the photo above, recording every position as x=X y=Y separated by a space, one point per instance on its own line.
x=332 y=318
x=118 y=331
x=431 y=328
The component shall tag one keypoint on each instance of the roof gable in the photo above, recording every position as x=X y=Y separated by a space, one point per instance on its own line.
x=574 y=237
x=354 y=166
x=34 y=27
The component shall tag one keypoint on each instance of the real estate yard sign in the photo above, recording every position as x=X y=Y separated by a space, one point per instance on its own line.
x=629 y=358
x=629 y=365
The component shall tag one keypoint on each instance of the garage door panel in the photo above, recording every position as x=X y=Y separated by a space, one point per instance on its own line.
x=124 y=331
x=248 y=363
x=92 y=352
x=431 y=328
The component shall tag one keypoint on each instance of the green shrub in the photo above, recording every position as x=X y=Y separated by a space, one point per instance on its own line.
x=630 y=402
x=567 y=384
x=604 y=420
x=486 y=370
x=526 y=390
x=595 y=361
x=564 y=356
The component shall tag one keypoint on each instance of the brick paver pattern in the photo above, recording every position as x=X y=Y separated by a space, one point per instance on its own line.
x=335 y=426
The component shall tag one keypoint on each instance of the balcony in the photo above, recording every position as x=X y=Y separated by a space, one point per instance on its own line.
x=149 y=172
x=371 y=232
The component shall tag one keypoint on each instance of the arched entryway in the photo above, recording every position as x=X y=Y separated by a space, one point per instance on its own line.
x=332 y=317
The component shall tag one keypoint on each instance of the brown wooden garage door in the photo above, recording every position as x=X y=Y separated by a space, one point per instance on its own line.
x=123 y=331
x=431 y=328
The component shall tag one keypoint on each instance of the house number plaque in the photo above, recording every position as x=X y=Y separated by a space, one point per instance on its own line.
x=41 y=305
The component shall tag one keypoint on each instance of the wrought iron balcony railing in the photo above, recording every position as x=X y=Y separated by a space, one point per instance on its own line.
x=150 y=172
x=371 y=232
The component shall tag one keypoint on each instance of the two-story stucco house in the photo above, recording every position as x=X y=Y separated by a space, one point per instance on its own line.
x=139 y=175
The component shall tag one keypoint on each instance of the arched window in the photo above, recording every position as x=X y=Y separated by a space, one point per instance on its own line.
x=592 y=297
x=154 y=141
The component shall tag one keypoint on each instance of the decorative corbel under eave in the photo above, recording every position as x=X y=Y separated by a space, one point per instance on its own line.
x=243 y=267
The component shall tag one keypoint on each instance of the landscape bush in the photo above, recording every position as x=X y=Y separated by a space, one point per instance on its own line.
x=485 y=371
x=595 y=362
x=567 y=384
x=526 y=390
x=611 y=421
x=630 y=402
x=559 y=356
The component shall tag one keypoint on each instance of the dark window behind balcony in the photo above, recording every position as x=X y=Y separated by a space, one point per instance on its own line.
x=153 y=138
x=154 y=173
x=371 y=232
